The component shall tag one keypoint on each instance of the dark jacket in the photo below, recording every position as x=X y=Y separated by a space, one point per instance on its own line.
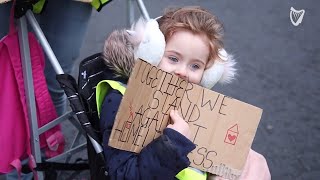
x=163 y=158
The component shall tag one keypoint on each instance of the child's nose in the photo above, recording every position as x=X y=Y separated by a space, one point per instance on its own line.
x=181 y=72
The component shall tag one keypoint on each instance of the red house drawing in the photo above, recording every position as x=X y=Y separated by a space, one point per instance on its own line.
x=232 y=135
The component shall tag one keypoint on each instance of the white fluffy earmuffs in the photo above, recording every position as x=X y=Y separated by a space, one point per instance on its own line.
x=222 y=70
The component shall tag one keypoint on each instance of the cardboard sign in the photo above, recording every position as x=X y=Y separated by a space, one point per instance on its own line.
x=222 y=128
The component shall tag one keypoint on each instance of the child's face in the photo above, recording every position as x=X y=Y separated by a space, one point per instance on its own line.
x=186 y=55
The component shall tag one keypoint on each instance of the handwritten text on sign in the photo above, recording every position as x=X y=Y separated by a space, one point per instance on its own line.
x=222 y=128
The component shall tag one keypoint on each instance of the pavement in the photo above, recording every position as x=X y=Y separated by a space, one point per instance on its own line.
x=278 y=71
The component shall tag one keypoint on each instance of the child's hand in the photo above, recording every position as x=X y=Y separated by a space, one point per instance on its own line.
x=179 y=124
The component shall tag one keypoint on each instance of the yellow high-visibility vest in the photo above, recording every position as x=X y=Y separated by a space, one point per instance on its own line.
x=103 y=88
x=98 y=4
x=38 y=7
x=191 y=174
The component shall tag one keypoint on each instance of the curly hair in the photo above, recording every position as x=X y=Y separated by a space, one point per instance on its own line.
x=198 y=21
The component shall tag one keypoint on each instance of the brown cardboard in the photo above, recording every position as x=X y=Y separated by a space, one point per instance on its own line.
x=222 y=128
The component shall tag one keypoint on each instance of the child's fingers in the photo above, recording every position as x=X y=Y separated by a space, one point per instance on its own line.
x=175 y=117
x=172 y=119
x=178 y=123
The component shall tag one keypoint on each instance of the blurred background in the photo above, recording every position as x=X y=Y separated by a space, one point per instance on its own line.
x=278 y=71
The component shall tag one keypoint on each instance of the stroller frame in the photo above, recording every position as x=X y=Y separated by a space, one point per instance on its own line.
x=28 y=83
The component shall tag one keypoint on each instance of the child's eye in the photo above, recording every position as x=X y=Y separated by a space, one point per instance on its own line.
x=173 y=59
x=195 y=66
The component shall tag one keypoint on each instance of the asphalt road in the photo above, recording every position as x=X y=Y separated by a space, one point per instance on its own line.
x=278 y=71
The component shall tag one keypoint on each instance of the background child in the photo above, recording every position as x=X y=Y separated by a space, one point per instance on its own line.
x=193 y=47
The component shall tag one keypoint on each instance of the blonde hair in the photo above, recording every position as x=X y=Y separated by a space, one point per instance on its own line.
x=198 y=21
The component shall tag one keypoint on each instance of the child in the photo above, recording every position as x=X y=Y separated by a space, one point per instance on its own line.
x=193 y=52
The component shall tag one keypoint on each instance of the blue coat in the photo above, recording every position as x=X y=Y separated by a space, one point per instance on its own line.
x=163 y=158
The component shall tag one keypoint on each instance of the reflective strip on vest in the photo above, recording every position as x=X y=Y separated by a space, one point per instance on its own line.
x=102 y=89
x=191 y=174
x=98 y=4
